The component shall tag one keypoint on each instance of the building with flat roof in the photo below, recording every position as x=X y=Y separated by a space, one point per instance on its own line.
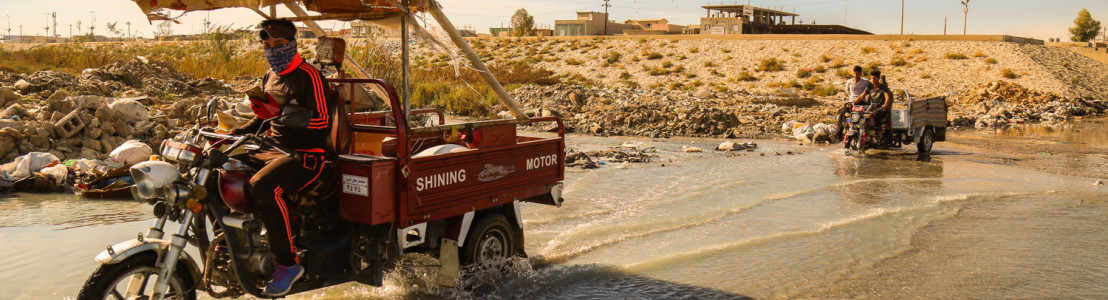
x=589 y=23
x=747 y=19
x=652 y=26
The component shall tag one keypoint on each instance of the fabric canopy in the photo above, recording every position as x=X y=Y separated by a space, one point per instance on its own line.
x=158 y=9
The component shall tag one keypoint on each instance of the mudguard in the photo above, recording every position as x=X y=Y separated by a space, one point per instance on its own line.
x=917 y=134
x=122 y=250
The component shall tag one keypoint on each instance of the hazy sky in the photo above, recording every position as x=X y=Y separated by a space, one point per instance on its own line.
x=1027 y=18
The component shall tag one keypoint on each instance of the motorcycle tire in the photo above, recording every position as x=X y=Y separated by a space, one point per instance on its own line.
x=104 y=282
x=490 y=239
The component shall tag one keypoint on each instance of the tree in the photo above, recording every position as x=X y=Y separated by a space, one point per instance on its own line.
x=164 y=29
x=1085 y=28
x=523 y=23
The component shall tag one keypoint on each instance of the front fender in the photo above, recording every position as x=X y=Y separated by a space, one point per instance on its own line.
x=125 y=249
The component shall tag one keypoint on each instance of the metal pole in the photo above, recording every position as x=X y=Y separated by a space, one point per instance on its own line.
x=483 y=70
x=901 y=17
x=944 y=25
x=92 y=26
x=404 y=51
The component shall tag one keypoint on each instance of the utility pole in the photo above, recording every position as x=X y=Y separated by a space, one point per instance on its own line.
x=128 y=29
x=9 y=35
x=965 y=17
x=47 y=28
x=901 y=17
x=71 y=31
x=944 y=25
x=606 y=6
x=92 y=26
x=54 y=16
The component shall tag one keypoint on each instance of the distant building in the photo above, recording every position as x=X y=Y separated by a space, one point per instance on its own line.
x=467 y=32
x=652 y=26
x=589 y=23
x=500 y=31
x=746 y=19
x=544 y=32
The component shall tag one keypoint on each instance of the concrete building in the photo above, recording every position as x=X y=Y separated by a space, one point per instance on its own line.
x=651 y=27
x=589 y=23
x=747 y=19
x=500 y=31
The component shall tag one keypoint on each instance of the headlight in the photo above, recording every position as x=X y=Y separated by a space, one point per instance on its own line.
x=176 y=194
x=150 y=177
x=183 y=152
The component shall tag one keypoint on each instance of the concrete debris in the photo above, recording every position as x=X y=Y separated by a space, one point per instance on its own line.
x=733 y=146
x=86 y=117
x=688 y=149
x=1001 y=103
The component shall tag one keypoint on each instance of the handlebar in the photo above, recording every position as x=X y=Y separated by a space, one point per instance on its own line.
x=240 y=140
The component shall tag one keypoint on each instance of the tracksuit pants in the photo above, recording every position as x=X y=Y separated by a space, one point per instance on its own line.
x=281 y=176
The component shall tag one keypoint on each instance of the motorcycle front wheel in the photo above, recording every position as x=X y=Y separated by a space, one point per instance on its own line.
x=134 y=278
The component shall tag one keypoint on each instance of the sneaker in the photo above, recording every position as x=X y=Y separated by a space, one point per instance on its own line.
x=283 y=278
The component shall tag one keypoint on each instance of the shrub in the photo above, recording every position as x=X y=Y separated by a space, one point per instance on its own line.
x=991 y=61
x=803 y=73
x=675 y=86
x=925 y=75
x=654 y=55
x=613 y=57
x=956 y=56
x=1075 y=80
x=625 y=75
x=917 y=51
x=694 y=50
x=898 y=61
x=745 y=76
x=725 y=50
x=1007 y=73
x=819 y=69
x=574 y=62
x=770 y=65
x=868 y=50
x=825 y=90
x=667 y=64
x=979 y=54
x=844 y=73
x=709 y=64
x=824 y=58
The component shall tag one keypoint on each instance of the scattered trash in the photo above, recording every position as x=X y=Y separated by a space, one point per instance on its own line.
x=131 y=152
x=688 y=149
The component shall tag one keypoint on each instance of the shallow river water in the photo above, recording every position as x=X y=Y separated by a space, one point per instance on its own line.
x=814 y=223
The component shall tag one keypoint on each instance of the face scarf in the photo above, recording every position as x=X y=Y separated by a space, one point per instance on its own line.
x=280 y=57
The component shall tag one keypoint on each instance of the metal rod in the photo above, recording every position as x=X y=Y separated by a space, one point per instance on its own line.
x=349 y=62
x=405 y=49
x=483 y=70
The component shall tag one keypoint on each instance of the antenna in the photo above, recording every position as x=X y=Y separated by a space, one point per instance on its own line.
x=54 y=15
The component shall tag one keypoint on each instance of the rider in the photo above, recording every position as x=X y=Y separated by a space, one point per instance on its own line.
x=290 y=86
x=878 y=94
x=854 y=88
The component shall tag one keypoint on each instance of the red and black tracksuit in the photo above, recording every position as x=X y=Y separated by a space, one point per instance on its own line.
x=300 y=86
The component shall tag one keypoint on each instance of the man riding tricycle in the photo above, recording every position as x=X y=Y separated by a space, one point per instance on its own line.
x=309 y=195
x=877 y=120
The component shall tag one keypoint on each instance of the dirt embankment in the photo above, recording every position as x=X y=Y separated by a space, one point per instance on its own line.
x=723 y=88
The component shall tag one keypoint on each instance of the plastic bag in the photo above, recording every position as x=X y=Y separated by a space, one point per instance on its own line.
x=59 y=172
x=131 y=152
x=132 y=110
x=23 y=166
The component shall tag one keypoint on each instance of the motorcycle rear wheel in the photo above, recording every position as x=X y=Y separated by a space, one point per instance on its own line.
x=136 y=276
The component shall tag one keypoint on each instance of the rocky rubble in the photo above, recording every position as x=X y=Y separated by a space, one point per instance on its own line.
x=1000 y=103
x=657 y=113
x=87 y=116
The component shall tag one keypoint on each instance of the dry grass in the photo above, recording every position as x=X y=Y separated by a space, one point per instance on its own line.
x=771 y=65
